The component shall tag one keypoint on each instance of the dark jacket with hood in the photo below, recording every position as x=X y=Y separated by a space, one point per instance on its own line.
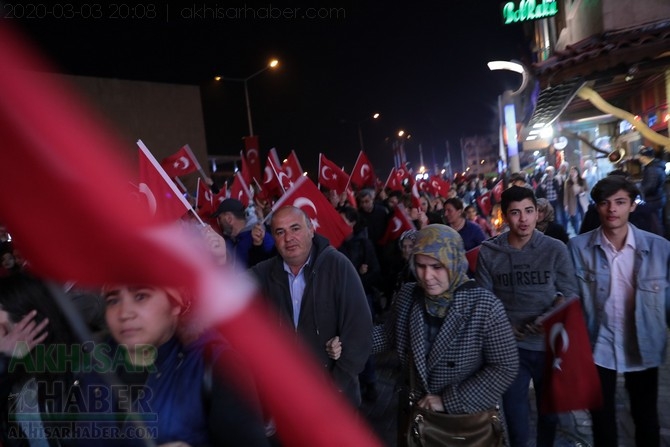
x=333 y=304
x=653 y=184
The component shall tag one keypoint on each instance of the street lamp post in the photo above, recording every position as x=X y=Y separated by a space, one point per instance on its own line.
x=273 y=63
x=360 y=130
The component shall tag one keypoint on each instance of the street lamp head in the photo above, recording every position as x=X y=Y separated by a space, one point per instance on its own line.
x=217 y=78
x=401 y=133
x=375 y=116
x=274 y=63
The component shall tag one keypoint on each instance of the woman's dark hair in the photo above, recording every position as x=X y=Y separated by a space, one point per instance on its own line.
x=580 y=180
x=352 y=215
x=609 y=186
x=455 y=202
x=21 y=293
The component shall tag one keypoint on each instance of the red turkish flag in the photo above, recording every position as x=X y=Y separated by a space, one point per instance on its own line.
x=165 y=202
x=440 y=186
x=425 y=186
x=240 y=190
x=292 y=167
x=245 y=170
x=571 y=380
x=331 y=176
x=204 y=199
x=414 y=193
x=253 y=157
x=497 y=191
x=394 y=182
x=271 y=184
x=484 y=203
x=220 y=196
x=326 y=220
x=472 y=255
x=397 y=225
x=180 y=163
x=49 y=134
x=403 y=172
x=362 y=174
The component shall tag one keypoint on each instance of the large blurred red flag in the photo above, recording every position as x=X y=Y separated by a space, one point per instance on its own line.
x=240 y=190
x=326 y=220
x=571 y=379
x=484 y=203
x=48 y=135
x=394 y=182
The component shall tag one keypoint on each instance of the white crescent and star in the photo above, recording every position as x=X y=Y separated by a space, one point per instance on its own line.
x=208 y=196
x=151 y=199
x=301 y=202
x=252 y=155
x=285 y=180
x=324 y=175
x=268 y=174
x=182 y=163
x=558 y=330
x=396 y=224
x=364 y=169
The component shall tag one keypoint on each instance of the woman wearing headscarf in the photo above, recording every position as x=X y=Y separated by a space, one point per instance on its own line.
x=174 y=379
x=546 y=224
x=453 y=336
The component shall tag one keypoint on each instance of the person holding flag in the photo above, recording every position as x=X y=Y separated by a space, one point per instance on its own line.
x=530 y=273
x=623 y=277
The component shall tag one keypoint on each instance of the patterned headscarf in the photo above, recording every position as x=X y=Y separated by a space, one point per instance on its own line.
x=445 y=245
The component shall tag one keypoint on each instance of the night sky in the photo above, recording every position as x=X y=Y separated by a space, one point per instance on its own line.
x=422 y=67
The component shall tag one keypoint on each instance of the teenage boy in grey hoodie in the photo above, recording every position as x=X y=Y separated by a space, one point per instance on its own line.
x=530 y=273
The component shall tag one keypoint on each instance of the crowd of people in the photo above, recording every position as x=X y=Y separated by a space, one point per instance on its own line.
x=468 y=338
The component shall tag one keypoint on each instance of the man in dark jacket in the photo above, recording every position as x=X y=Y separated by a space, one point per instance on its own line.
x=318 y=294
x=652 y=186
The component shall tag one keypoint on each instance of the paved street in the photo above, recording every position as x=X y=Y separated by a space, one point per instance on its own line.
x=574 y=429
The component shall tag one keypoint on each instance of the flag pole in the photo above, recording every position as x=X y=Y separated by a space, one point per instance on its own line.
x=195 y=160
x=181 y=185
x=355 y=164
x=318 y=175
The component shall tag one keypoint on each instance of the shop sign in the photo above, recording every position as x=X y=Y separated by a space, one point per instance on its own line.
x=529 y=10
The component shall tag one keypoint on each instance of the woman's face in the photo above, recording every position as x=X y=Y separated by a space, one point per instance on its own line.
x=433 y=277
x=140 y=315
x=573 y=173
x=424 y=204
x=452 y=214
x=407 y=246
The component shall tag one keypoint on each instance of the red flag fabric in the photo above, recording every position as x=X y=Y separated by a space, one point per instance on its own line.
x=220 y=196
x=252 y=156
x=351 y=197
x=245 y=170
x=403 y=172
x=44 y=130
x=331 y=176
x=394 y=182
x=271 y=184
x=424 y=186
x=292 y=167
x=414 y=193
x=204 y=199
x=240 y=190
x=362 y=174
x=440 y=186
x=484 y=203
x=497 y=191
x=571 y=380
x=165 y=202
x=326 y=220
x=180 y=163
x=397 y=225
x=471 y=255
